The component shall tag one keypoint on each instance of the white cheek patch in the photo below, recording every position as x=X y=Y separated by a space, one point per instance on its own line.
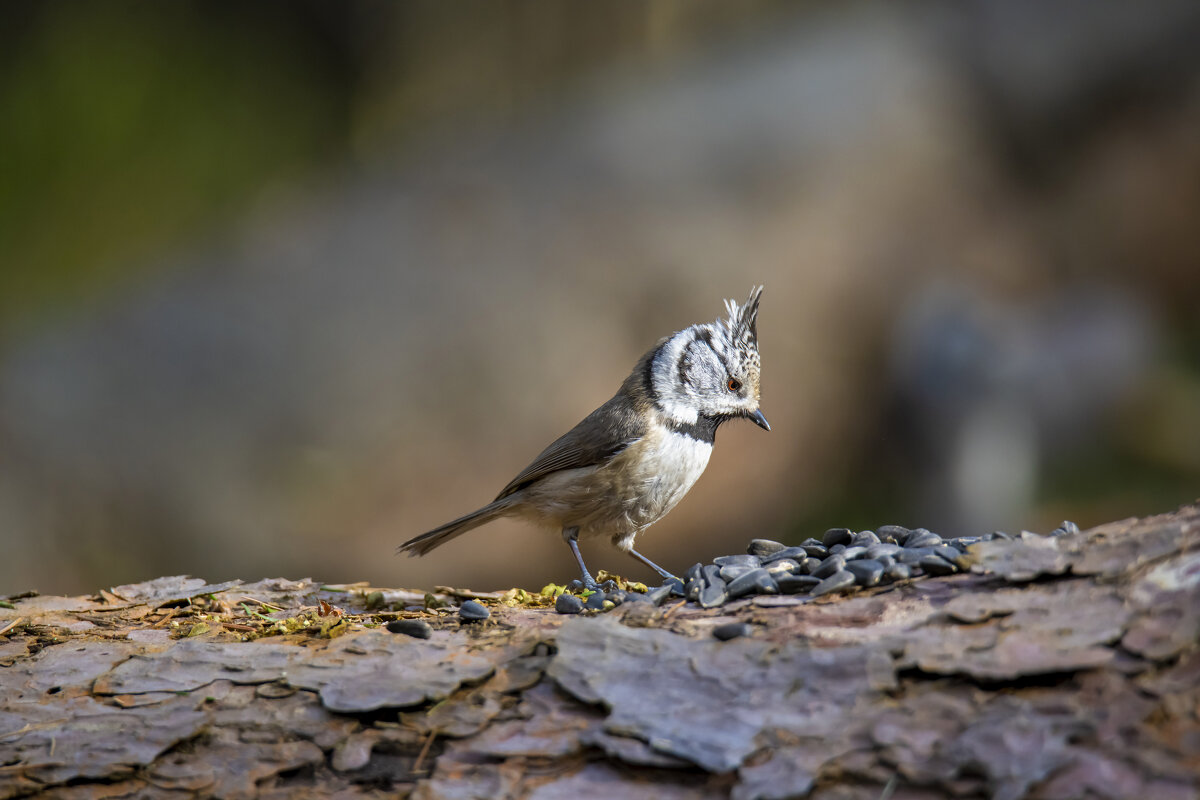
x=684 y=413
x=671 y=397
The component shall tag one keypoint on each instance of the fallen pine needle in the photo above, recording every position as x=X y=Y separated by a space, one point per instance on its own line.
x=247 y=598
x=674 y=608
x=170 y=615
x=416 y=767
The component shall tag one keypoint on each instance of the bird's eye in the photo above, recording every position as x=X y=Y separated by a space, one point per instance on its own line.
x=734 y=384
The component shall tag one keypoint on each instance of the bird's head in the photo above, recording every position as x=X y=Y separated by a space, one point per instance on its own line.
x=711 y=370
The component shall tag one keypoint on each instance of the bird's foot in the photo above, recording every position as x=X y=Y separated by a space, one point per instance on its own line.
x=590 y=584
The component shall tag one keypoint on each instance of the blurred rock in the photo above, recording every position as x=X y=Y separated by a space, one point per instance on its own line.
x=989 y=393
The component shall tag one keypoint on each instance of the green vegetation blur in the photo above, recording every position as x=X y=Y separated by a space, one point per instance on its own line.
x=285 y=284
x=129 y=127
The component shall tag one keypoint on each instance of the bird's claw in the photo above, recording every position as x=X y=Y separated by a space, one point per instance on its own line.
x=589 y=584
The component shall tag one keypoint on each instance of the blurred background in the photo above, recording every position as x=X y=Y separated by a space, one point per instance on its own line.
x=285 y=284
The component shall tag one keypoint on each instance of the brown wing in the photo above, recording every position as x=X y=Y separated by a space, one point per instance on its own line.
x=602 y=434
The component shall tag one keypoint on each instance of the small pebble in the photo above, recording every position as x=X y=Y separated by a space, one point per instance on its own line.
x=891 y=534
x=739 y=560
x=758 y=581
x=694 y=571
x=568 y=604
x=866 y=571
x=575 y=585
x=659 y=594
x=837 y=582
x=887 y=561
x=922 y=538
x=734 y=571
x=883 y=549
x=787 y=552
x=854 y=551
x=732 y=630
x=864 y=539
x=837 y=536
x=808 y=565
x=472 y=611
x=412 y=627
x=713 y=594
x=796 y=584
x=1067 y=527
x=907 y=556
x=955 y=556
x=816 y=550
x=936 y=565
x=595 y=600
x=676 y=586
x=692 y=588
x=829 y=566
x=712 y=574
x=837 y=548
x=632 y=597
x=764 y=547
x=898 y=572
x=784 y=566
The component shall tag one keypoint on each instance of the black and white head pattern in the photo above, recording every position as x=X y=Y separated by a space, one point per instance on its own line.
x=709 y=372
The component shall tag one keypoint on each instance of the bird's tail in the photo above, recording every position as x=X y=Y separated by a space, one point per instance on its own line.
x=420 y=545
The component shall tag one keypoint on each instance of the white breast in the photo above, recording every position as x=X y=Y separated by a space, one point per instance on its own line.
x=669 y=467
x=634 y=490
x=660 y=471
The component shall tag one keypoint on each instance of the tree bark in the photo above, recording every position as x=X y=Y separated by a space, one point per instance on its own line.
x=1060 y=667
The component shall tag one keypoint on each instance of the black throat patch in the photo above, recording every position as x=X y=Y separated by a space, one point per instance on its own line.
x=704 y=429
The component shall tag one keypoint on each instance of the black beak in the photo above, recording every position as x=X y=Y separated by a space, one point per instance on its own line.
x=758 y=419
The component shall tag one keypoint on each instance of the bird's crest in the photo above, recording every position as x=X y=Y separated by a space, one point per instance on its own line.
x=742 y=323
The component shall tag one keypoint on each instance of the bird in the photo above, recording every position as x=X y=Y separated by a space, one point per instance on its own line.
x=629 y=462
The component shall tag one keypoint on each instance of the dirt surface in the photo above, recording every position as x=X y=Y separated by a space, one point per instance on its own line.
x=1059 y=668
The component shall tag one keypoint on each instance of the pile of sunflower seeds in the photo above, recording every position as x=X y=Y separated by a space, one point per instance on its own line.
x=840 y=561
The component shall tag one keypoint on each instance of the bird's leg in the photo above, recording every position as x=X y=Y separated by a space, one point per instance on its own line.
x=571 y=537
x=651 y=564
